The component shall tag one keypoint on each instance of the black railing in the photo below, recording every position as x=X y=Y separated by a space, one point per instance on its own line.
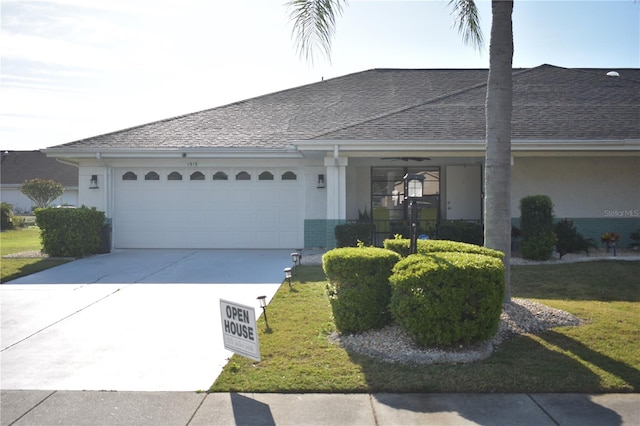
x=470 y=231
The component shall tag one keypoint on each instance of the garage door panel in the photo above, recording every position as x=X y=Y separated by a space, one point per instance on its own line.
x=207 y=214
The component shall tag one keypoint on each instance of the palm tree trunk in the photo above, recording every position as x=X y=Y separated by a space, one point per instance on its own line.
x=497 y=178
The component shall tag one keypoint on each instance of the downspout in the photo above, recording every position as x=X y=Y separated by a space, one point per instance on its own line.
x=336 y=155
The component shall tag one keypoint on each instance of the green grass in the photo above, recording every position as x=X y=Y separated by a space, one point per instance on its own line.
x=600 y=356
x=22 y=240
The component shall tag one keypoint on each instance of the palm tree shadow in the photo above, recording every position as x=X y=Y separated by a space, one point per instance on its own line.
x=619 y=369
x=522 y=409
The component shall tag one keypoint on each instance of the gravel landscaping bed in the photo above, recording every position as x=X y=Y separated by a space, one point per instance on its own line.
x=393 y=344
x=26 y=255
x=520 y=316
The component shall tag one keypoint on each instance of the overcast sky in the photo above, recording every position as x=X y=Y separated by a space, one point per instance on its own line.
x=78 y=68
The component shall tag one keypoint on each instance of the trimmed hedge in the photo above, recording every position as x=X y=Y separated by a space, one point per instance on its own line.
x=402 y=246
x=461 y=230
x=444 y=299
x=536 y=223
x=70 y=232
x=358 y=286
x=348 y=234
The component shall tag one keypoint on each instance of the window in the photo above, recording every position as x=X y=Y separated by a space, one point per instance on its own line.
x=197 y=176
x=243 y=176
x=387 y=193
x=220 y=176
x=265 y=176
x=289 y=176
x=174 y=176
x=129 y=176
x=152 y=176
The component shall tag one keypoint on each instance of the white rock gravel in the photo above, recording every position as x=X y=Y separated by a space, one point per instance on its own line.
x=521 y=316
x=393 y=344
x=25 y=255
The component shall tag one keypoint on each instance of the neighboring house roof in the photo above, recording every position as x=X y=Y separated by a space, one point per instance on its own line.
x=550 y=103
x=18 y=166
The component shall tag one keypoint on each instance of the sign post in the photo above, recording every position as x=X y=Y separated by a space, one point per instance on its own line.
x=239 y=330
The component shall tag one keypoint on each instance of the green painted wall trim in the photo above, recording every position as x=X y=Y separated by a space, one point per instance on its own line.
x=595 y=227
x=319 y=233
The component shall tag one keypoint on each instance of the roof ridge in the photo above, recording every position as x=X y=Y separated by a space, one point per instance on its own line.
x=517 y=71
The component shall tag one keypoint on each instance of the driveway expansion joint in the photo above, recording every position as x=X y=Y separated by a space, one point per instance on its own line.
x=58 y=321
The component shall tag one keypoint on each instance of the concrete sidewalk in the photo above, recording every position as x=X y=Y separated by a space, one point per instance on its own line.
x=189 y=408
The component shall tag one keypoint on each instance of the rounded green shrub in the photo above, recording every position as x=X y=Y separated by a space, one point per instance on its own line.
x=401 y=246
x=358 y=286
x=444 y=299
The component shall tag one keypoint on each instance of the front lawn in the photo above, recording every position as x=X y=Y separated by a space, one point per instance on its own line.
x=601 y=356
x=21 y=241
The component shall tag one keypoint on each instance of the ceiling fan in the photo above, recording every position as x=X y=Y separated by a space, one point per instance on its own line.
x=407 y=158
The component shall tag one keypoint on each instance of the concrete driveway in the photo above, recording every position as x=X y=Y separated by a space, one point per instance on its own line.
x=131 y=320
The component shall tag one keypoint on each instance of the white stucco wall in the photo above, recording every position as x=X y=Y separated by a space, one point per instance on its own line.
x=579 y=187
x=92 y=197
x=315 y=198
x=358 y=190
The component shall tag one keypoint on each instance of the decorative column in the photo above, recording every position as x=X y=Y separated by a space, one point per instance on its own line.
x=336 y=188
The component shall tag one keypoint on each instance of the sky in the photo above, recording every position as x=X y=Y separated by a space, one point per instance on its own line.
x=72 y=69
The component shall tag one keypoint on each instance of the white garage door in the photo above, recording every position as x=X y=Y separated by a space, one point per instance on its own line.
x=244 y=208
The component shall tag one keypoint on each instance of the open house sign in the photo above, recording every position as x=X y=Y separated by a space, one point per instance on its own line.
x=239 y=330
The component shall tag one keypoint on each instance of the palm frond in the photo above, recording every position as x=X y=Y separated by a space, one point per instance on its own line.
x=314 y=23
x=467 y=21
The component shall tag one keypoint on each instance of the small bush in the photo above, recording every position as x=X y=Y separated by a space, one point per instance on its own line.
x=348 y=234
x=461 y=230
x=536 y=223
x=401 y=246
x=358 y=287
x=569 y=240
x=19 y=222
x=538 y=247
x=444 y=299
x=70 y=232
x=6 y=216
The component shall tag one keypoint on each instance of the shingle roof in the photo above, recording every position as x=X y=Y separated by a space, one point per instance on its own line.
x=549 y=103
x=392 y=104
x=18 y=166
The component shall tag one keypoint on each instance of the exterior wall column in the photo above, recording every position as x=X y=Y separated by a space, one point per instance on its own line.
x=336 y=182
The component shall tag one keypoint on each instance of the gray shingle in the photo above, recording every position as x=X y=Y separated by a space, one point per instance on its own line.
x=548 y=103
x=431 y=104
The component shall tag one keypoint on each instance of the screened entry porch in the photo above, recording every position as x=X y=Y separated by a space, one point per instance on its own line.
x=390 y=211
